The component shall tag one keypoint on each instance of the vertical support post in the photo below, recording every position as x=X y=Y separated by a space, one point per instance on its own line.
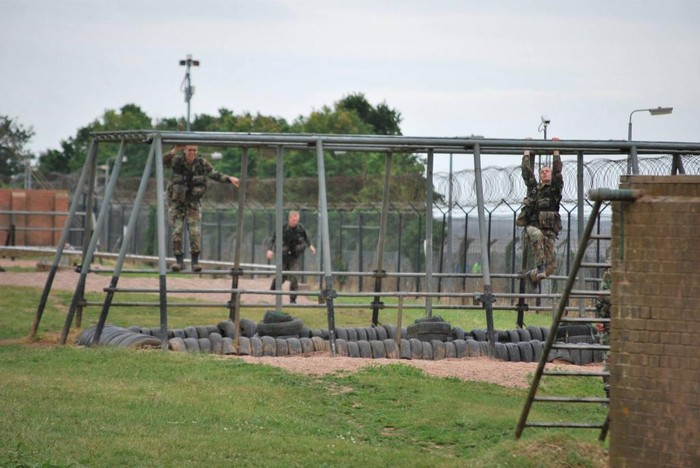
x=487 y=297
x=162 y=243
x=133 y=219
x=380 y=273
x=579 y=220
x=279 y=220
x=429 y=234
x=328 y=293
x=235 y=299
x=77 y=194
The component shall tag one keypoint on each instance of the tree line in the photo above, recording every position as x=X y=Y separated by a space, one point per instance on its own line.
x=352 y=114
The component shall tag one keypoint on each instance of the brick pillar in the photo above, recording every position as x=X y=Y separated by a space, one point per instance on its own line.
x=655 y=330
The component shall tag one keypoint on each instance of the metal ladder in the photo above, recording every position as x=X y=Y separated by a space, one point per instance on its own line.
x=598 y=195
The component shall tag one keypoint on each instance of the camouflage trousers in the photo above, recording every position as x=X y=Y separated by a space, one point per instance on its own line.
x=291 y=264
x=180 y=214
x=542 y=244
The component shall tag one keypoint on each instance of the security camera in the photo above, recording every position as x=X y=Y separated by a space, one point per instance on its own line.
x=545 y=120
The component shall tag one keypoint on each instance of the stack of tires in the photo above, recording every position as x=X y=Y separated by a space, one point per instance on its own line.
x=118 y=336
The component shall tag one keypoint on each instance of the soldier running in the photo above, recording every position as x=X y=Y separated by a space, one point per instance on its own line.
x=294 y=242
x=185 y=190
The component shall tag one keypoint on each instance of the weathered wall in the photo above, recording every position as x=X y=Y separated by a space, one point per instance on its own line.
x=32 y=229
x=655 y=328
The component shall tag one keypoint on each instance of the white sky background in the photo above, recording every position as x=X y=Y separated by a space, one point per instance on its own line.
x=452 y=68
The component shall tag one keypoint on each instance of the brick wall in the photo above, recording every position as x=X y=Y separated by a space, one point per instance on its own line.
x=32 y=229
x=655 y=329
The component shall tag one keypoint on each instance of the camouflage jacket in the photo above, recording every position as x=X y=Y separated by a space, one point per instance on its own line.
x=188 y=183
x=294 y=241
x=543 y=198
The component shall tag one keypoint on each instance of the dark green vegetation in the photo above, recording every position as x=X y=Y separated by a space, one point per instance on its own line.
x=68 y=406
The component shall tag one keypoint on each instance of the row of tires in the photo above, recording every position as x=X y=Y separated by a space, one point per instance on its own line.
x=412 y=348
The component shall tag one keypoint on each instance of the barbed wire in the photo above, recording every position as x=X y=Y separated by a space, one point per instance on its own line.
x=505 y=184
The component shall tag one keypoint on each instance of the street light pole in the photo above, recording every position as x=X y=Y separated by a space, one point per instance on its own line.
x=186 y=85
x=632 y=158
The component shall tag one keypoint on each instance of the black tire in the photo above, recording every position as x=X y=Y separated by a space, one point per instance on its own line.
x=416 y=348
x=381 y=333
x=439 y=351
x=216 y=341
x=319 y=343
x=513 y=336
x=461 y=348
x=144 y=330
x=501 y=351
x=434 y=336
x=365 y=349
x=294 y=346
x=191 y=344
x=177 y=344
x=212 y=329
x=362 y=334
x=269 y=347
x=134 y=328
x=179 y=333
x=226 y=328
x=353 y=349
x=450 y=350
x=502 y=335
x=526 y=352
x=307 y=346
x=513 y=352
x=535 y=333
x=341 y=333
x=204 y=345
x=272 y=316
x=427 y=351
x=243 y=346
x=191 y=332
x=281 y=347
x=247 y=327
x=392 y=351
x=483 y=348
x=378 y=349
x=458 y=333
x=545 y=333
x=429 y=328
x=256 y=346
x=227 y=346
x=390 y=330
x=325 y=334
x=524 y=334
x=202 y=331
x=352 y=334
x=280 y=328
x=305 y=333
x=473 y=349
x=433 y=318
x=537 y=350
x=371 y=333
x=341 y=347
x=479 y=334
x=405 y=351
x=316 y=332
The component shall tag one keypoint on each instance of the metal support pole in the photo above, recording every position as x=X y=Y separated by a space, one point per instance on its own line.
x=380 y=272
x=235 y=299
x=279 y=221
x=162 y=243
x=487 y=298
x=580 y=223
x=429 y=233
x=328 y=293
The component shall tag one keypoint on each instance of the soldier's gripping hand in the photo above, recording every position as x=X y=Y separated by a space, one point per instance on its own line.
x=235 y=181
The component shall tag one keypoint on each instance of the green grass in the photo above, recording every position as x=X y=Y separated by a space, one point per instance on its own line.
x=69 y=406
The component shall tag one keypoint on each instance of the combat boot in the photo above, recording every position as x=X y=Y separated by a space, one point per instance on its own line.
x=196 y=267
x=179 y=264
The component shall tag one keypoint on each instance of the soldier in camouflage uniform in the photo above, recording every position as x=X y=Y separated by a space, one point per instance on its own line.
x=540 y=214
x=185 y=190
x=294 y=241
x=603 y=310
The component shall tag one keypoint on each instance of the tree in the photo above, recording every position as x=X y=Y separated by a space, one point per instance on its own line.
x=13 y=139
x=384 y=120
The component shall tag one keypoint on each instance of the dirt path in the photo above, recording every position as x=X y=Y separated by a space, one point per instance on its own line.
x=509 y=374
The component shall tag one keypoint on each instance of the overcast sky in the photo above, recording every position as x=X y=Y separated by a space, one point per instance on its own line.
x=452 y=68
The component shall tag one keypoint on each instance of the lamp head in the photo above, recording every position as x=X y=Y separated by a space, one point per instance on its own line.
x=661 y=110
